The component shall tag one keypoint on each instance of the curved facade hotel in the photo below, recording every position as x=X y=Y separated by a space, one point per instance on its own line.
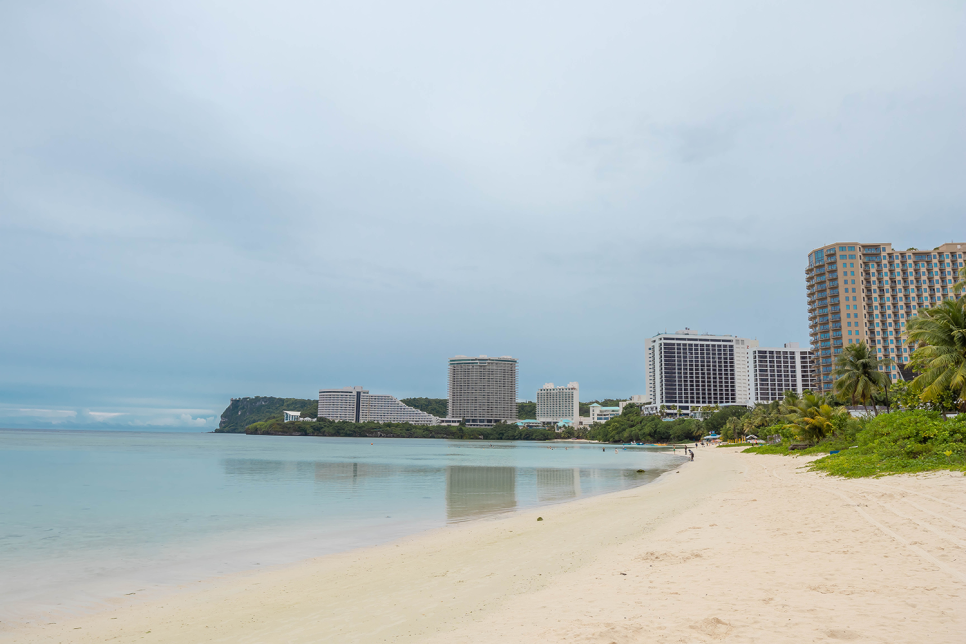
x=357 y=405
x=867 y=292
x=483 y=390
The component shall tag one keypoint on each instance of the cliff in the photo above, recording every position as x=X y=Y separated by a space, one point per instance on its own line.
x=243 y=412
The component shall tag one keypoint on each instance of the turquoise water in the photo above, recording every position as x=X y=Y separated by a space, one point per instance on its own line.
x=85 y=516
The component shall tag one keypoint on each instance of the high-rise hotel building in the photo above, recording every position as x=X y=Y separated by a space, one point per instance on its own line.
x=690 y=370
x=482 y=390
x=867 y=292
x=558 y=403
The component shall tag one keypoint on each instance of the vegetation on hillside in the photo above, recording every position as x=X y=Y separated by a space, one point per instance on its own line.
x=526 y=410
x=242 y=412
x=434 y=406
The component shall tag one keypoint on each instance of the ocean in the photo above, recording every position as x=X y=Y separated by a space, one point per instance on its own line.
x=87 y=516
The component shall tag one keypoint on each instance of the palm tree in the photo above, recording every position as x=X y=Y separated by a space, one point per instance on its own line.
x=959 y=286
x=791 y=397
x=734 y=428
x=857 y=375
x=940 y=358
x=811 y=417
x=759 y=417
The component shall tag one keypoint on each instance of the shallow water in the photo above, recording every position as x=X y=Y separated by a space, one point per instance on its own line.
x=85 y=516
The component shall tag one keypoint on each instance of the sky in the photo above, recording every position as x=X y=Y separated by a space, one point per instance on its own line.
x=204 y=200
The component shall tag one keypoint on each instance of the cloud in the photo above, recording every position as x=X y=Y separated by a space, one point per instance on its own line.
x=200 y=203
x=88 y=419
x=53 y=416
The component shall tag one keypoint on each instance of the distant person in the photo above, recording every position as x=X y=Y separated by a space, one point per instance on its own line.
x=692 y=456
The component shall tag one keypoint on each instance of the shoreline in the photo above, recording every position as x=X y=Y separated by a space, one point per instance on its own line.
x=38 y=593
x=737 y=546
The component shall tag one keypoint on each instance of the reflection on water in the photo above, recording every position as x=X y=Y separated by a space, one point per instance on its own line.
x=338 y=472
x=557 y=485
x=470 y=490
x=353 y=472
x=264 y=469
x=473 y=491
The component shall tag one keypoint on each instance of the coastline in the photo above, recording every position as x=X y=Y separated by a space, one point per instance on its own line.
x=736 y=546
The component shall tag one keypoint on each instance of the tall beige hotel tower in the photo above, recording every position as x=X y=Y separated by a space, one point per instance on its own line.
x=866 y=292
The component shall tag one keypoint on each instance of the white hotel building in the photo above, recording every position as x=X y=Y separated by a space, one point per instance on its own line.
x=357 y=405
x=690 y=370
x=558 y=403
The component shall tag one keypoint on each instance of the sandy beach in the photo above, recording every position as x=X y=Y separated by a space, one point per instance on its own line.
x=731 y=547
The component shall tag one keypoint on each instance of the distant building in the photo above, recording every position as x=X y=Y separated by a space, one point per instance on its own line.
x=292 y=416
x=867 y=292
x=687 y=370
x=357 y=405
x=558 y=403
x=600 y=414
x=640 y=401
x=775 y=371
x=483 y=390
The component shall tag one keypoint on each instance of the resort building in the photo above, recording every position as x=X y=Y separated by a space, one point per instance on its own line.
x=290 y=416
x=558 y=403
x=775 y=371
x=687 y=370
x=357 y=405
x=867 y=292
x=483 y=390
x=600 y=414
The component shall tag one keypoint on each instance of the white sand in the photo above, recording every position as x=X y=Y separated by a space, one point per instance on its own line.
x=735 y=547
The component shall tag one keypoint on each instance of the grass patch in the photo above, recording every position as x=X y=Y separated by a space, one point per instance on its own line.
x=896 y=443
x=769 y=449
x=853 y=464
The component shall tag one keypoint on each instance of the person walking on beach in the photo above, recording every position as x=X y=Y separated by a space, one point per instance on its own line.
x=692 y=454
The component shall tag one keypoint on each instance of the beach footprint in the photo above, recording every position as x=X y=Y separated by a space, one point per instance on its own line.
x=713 y=627
x=841 y=634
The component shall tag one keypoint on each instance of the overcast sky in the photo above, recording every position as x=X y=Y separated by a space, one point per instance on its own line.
x=201 y=200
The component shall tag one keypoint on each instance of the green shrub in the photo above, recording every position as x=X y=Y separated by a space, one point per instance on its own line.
x=909 y=441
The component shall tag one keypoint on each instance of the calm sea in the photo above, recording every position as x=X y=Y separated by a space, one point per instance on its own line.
x=85 y=516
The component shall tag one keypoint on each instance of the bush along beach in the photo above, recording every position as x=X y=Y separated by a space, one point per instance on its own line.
x=903 y=426
x=325 y=427
x=890 y=443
